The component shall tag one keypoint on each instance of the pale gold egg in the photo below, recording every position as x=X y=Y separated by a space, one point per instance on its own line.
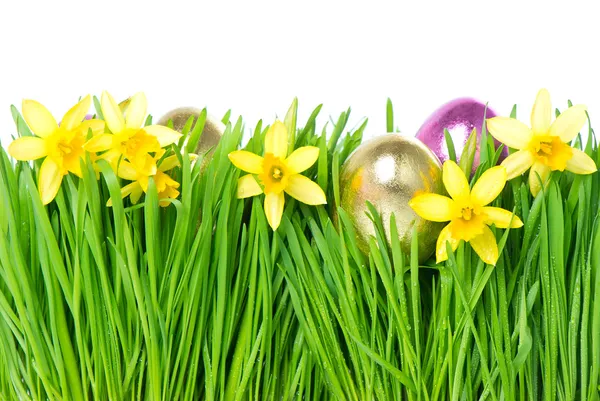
x=211 y=133
x=389 y=171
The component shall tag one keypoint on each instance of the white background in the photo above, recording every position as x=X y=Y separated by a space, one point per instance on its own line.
x=254 y=57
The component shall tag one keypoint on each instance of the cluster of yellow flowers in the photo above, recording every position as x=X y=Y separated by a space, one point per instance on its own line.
x=120 y=139
x=543 y=148
x=135 y=152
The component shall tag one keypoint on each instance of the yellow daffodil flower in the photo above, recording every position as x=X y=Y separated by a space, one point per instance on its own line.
x=467 y=211
x=278 y=174
x=129 y=140
x=62 y=146
x=165 y=185
x=543 y=147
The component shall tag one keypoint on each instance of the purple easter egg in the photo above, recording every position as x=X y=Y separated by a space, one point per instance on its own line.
x=459 y=117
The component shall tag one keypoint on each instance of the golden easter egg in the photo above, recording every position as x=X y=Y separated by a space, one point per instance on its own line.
x=389 y=171
x=211 y=133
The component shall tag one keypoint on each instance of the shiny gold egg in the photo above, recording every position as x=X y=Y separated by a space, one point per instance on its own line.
x=389 y=171
x=211 y=133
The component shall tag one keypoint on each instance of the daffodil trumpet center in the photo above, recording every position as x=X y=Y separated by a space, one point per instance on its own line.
x=466 y=213
x=131 y=145
x=133 y=141
x=166 y=187
x=469 y=221
x=65 y=148
x=275 y=174
x=551 y=151
x=140 y=148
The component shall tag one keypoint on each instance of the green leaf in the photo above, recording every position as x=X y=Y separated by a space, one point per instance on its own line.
x=450 y=145
x=468 y=153
x=290 y=121
x=389 y=116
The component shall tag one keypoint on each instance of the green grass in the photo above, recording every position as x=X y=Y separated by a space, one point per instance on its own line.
x=202 y=301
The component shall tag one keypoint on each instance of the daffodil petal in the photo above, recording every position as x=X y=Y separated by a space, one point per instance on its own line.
x=49 y=180
x=509 y=131
x=136 y=111
x=434 y=207
x=489 y=186
x=467 y=229
x=305 y=190
x=124 y=104
x=172 y=161
x=276 y=140
x=274 y=208
x=127 y=171
x=161 y=180
x=568 y=124
x=247 y=187
x=302 y=158
x=168 y=163
x=143 y=181
x=38 y=118
x=73 y=164
x=136 y=194
x=169 y=193
x=146 y=164
x=112 y=157
x=112 y=113
x=97 y=127
x=581 y=163
x=541 y=114
x=441 y=252
x=518 y=163
x=455 y=181
x=126 y=190
x=501 y=218
x=27 y=148
x=247 y=161
x=99 y=143
x=170 y=182
x=485 y=246
x=76 y=114
x=165 y=135
x=534 y=181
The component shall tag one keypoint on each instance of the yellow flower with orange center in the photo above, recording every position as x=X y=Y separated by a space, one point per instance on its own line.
x=467 y=211
x=543 y=147
x=129 y=139
x=165 y=185
x=62 y=146
x=278 y=173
